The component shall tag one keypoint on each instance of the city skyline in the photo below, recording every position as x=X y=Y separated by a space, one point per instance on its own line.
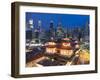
x=66 y=20
x=53 y=43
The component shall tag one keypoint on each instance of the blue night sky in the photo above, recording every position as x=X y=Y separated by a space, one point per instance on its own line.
x=67 y=20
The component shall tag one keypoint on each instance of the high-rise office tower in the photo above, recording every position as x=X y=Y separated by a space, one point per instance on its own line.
x=29 y=29
x=60 y=31
x=51 y=30
x=31 y=25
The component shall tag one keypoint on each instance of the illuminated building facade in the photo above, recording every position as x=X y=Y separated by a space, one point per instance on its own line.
x=64 y=48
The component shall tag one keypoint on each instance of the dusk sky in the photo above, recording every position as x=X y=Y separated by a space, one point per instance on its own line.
x=67 y=20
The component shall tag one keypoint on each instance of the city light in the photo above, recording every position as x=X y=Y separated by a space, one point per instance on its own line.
x=52 y=42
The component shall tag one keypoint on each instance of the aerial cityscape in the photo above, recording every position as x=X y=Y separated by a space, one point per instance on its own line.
x=57 y=39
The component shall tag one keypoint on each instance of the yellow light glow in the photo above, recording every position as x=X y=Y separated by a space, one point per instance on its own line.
x=77 y=46
x=84 y=56
x=51 y=43
x=66 y=44
x=51 y=50
x=66 y=52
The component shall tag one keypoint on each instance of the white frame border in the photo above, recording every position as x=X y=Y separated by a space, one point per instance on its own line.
x=55 y=69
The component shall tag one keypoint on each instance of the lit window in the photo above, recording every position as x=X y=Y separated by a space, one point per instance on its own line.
x=52 y=43
x=51 y=50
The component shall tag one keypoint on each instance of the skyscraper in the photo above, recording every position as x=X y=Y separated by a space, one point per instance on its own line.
x=51 y=30
x=60 y=31
x=29 y=29
x=31 y=25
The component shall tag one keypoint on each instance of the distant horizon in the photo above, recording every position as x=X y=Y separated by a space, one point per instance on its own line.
x=66 y=20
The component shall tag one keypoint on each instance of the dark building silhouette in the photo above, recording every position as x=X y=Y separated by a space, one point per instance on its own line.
x=29 y=34
x=60 y=32
x=51 y=30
